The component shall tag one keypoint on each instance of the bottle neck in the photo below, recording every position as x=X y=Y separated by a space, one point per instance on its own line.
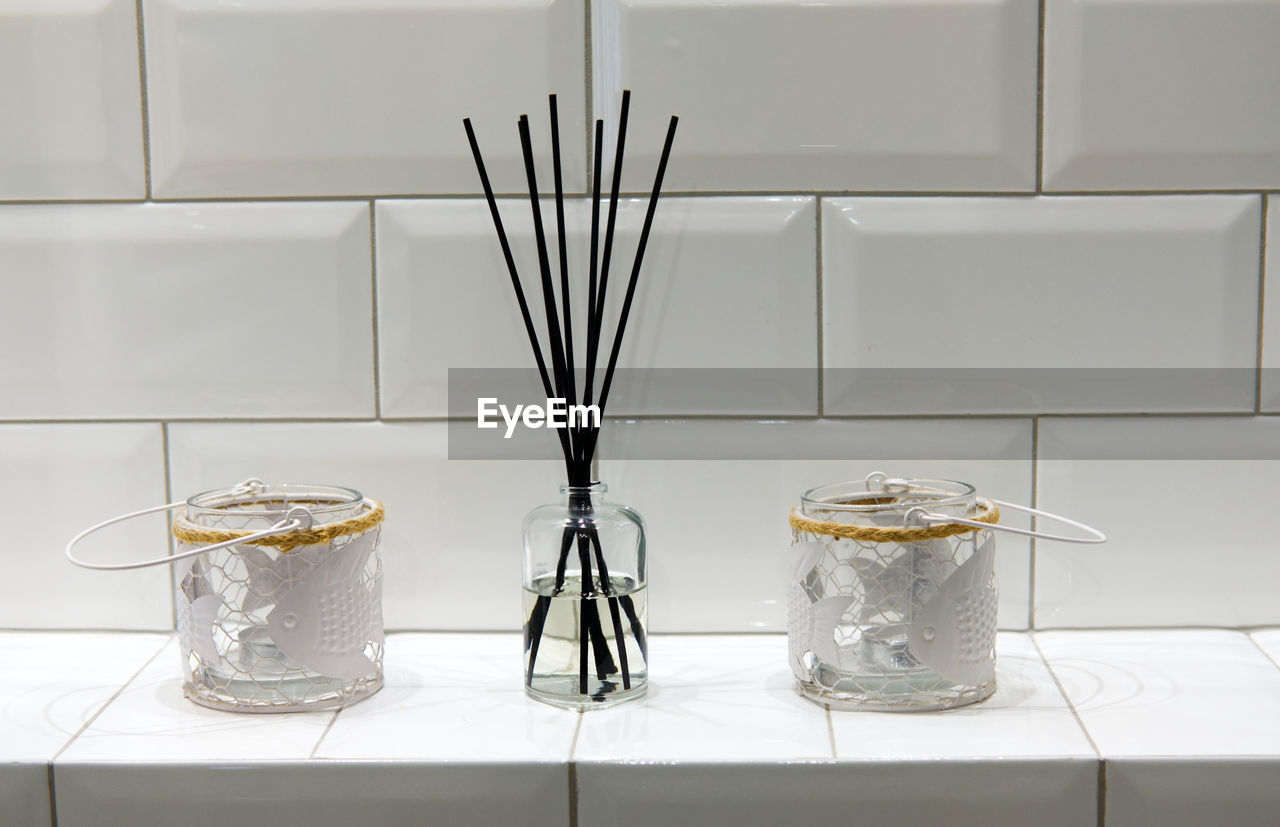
x=583 y=497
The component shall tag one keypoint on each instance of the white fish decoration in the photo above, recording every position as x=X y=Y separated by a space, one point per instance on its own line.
x=955 y=632
x=197 y=612
x=824 y=617
x=269 y=577
x=325 y=621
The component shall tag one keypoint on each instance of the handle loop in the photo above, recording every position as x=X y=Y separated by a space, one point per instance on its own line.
x=921 y=516
x=297 y=518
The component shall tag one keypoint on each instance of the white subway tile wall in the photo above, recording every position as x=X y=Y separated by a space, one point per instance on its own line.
x=69 y=90
x=348 y=97
x=296 y=255
x=1164 y=95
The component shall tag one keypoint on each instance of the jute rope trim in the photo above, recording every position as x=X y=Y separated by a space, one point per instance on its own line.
x=189 y=532
x=988 y=512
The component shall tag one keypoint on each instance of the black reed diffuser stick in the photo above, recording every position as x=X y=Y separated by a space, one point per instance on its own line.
x=578 y=441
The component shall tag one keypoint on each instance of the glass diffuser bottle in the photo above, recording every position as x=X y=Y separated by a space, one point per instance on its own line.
x=584 y=600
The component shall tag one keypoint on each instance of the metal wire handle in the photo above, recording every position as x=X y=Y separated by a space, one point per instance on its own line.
x=297 y=518
x=922 y=516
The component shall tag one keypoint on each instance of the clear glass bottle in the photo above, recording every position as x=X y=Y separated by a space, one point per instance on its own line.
x=885 y=625
x=585 y=612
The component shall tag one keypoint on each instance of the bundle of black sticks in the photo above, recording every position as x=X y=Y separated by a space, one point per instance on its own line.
x=578 y=442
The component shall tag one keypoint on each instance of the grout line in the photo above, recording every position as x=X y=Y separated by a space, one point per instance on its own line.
x=573 y=744
x=586 y=194
x=53 y=796
x=831 y=731
x=165 y=645
x=1062 y=690
x=821 y=351
x=1265 y=653
x=146 y=111
x=573 y=773
x=1035 y=503
x=1102 y=792
x=1262 y=296
x=168 y=535
x=1040 y=103
x=333 y=720
x=673 y=415
x=373 y=286
x=573 y=793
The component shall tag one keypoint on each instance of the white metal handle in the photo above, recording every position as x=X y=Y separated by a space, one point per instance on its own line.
x=1094 y=537
x=297 y=518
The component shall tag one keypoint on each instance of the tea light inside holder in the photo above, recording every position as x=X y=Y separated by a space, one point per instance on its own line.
x=278 y=594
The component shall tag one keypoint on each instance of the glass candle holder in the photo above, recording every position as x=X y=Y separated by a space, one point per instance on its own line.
x=584 y=601
x=879 y=621
x=266 y=628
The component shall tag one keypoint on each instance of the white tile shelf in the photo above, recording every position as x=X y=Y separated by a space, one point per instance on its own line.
x=1171 y=726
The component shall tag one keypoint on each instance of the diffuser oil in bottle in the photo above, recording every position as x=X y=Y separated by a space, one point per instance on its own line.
x=615 y=642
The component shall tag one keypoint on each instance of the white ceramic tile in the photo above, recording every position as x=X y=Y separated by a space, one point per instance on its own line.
x=1060 y=793
x=151 y=722
x=318 y=794
x=448 y=522
x=72 y=97
x=726 y=283
x=1168 y=561
x=710 y=699
x=1027 y=717
x=358 y=97
x=59 y=479
x=168 y=311
x=1178 y=792
x=1167 y=693
x=1270 y=390
x=54 y=682
x=786 y=95
x=452 y=698
x=1172 y=94
x=1010 y=304
x=717 y=520
x=24 y=795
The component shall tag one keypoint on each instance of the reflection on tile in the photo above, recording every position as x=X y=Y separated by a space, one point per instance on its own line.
x=1158 y=569
x=785 y=95
x=725 y=283
x=352 y=97
x=710 y=699
x=167 y=310
x=1153 y=693
x=59 y=479
x=1027 y=717
x=986 y=333
x=1161 y=95
x=54 y=682
x=151 y=722
x=72 y=100
x=452 y=698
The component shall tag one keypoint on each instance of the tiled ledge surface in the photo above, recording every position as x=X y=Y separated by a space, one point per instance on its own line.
x=1170 y=727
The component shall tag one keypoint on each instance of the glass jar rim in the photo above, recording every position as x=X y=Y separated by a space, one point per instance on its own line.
x=319 y=499
x=856 y=496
